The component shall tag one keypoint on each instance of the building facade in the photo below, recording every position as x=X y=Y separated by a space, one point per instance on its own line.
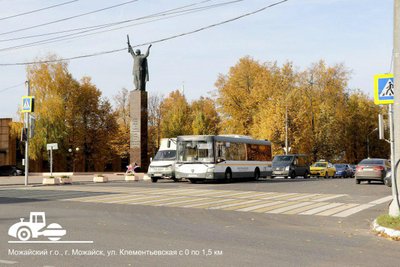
x=8 y=145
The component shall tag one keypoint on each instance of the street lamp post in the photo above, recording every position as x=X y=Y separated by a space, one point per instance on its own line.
x=368 y=140
x=70 y=150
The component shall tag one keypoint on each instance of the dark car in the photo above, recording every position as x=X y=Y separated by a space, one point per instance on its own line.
x=291 y=165
x=343 y=170
x=10 y=170
x=372 y=170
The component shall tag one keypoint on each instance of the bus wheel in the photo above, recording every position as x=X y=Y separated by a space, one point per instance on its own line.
x=257 y=174
x=154 y=180
x=228 y=175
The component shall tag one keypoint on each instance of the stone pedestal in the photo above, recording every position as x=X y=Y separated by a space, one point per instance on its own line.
x=138 y=128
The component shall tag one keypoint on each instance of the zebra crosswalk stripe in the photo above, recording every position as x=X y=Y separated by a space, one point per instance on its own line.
x=234 y=204
x=291 y=207
x=336 y=210
x=320 y=209
x=353 y=210
x=251 y=208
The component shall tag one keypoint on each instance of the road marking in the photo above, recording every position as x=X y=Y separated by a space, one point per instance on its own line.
x=8 y=262
x=320 y=209
x=298 y=210
x=260 y=206
x=180 y=202
x=280 y=195
x=149 y=202
x=336 y=210
x=328 y=198
x=291 y=207
x=278 y=204
x=235 y=204
x=136 y=199
x=381 y=200
x=93 y=198
x=305 y=196
x=353 y=210
x=213 y=201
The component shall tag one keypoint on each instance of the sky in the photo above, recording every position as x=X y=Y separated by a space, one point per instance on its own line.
x=357 y=33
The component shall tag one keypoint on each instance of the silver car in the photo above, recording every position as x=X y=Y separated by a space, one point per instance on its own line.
x=372 y=170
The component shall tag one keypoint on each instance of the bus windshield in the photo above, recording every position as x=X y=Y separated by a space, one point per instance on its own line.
x=196 y=151
x=165 y=155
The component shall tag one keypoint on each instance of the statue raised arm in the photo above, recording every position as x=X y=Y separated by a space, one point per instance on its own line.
x=140 y=67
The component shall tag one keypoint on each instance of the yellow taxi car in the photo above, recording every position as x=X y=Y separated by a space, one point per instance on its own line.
x=322 y=168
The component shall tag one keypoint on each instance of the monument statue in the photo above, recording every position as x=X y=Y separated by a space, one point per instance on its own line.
x=140 y=68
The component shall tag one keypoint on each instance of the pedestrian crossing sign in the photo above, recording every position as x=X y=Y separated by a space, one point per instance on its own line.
x=383 y=89
x=27 y=104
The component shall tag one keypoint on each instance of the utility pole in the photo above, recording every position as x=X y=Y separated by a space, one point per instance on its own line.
x=286 y=132
x=26 y=117
x=394 y=209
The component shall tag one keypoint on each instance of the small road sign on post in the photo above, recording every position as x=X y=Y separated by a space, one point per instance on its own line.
x=27 y=104
x=51 y=147
x=383 y=89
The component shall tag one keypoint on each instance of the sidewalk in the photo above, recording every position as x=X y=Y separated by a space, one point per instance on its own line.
x=36 y=178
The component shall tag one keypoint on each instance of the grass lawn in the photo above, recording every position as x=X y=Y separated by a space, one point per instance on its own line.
x=389 y=222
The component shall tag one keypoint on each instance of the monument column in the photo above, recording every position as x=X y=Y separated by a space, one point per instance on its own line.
x=138 y=128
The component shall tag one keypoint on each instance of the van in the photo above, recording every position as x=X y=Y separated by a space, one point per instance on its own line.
x=291 y=165
x=162 y=166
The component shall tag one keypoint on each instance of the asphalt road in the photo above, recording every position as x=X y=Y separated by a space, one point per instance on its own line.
x=267 y=223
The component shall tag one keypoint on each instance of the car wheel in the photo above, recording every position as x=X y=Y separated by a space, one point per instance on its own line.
x=228 y=176
x=14 y=173
x=192 y=181
x=293 y=175
x=24 y=234
x=369 y=181
x=154 y=180
x=174 y=179
x=305 y=175
x=358 y=181
x=285 y=177
x=326 y=175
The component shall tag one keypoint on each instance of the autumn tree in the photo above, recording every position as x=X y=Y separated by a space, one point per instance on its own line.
x=121 y=140
x=154 y=115
x=72 y=114
x=175 y=113
x=205 y=119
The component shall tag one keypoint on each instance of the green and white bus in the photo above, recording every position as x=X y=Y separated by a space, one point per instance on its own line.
x=222 y=157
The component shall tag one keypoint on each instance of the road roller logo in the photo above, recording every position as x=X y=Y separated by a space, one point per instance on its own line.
x=37 y=227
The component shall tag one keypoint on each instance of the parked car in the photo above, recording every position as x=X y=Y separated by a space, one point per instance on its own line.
x=374 y=169
x=11 y=170
x=291 y=165
x=354 y=168
x=343 y=170
x=322 y=168
x=388 y=179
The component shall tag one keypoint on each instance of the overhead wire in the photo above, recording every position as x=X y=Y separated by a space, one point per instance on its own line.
x=165 y=15
x=38 y=10
x=68 y=18
x=11 y=87
x=152 y=42
x=100 y=26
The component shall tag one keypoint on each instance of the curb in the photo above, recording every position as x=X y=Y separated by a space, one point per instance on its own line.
x=395 y=234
